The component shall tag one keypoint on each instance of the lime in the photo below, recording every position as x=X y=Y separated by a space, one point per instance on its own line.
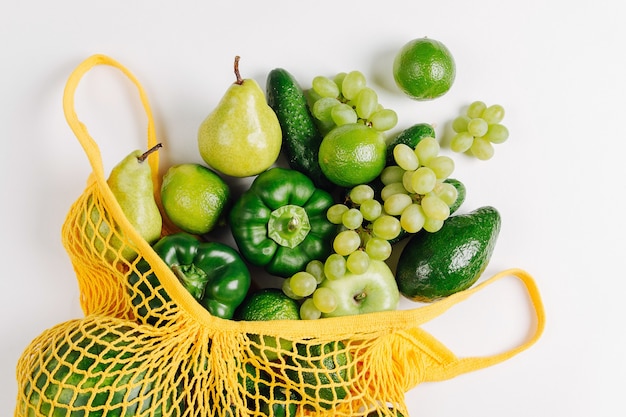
x=424 y=69
x=352 y=154
x=268 y=304
x=193 y=197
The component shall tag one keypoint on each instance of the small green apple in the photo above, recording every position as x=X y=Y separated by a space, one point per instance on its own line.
x=374 y=290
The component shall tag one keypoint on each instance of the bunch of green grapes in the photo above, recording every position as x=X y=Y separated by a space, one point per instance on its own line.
x=478 y=129
x=347 y=99
x=414 y=188
x=365 y=232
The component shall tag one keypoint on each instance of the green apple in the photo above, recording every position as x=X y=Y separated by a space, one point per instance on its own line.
x=369 y=292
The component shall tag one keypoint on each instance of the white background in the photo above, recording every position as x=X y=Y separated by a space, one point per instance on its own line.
x=557 y=67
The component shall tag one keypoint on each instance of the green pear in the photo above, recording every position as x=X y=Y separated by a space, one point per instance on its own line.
x=131 y=183
x=241 y=137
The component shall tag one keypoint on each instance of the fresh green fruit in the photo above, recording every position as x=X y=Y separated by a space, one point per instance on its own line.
x=325 y=371
x=131 y=183
x=424 y=69
x=265 y=396
x=242 y=136
x=97 y=367
x=301 y=136
x=352 y=154
x=375 y=290
x=436 y=265
x=268 y=304
x=194 y=197
x=410 y=137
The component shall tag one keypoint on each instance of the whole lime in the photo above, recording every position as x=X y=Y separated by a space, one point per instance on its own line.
x=193 y=197
x=268 y=304
x=424 y=69
x=352 y=154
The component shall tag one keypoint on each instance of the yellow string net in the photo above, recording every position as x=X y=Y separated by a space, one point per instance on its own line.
x=145 y=347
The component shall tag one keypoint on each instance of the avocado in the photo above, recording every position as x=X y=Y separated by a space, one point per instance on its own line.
x=435 y=265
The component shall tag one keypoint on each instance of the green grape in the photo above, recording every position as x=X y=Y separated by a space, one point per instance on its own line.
x=396 y=204
x=435 y=208
x=446 y=192
x=461 y=142
x=335 y=213
x=475 y=109
x=426 y=149
x=308 y=310
x=406 y=181
x=346 y=242
x=378 y=249
x=497 y=133
x=343 y=114
x=316 y=268
x=358 y=262
x=335 y=266
x=442 y=166
x=423 y=180
x=366 y=103
x=302 y=283
x=391 y=189
x=477 y=127
x=352 y=219
x=432 y=225
x=482 y=149
x=386 y=227
x=338 y=79
x=324 y=300
x=493 y=114
x=405 y=157
x=322 y=108
x=352 y=84
x=325 y=87
x=390 y=174
x=286 y=287
x=371 y=209
x=383 y=120
x=412 y=218
x=361 y=192
x=459 y=124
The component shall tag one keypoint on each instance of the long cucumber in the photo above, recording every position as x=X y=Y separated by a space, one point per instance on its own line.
x=301 y=136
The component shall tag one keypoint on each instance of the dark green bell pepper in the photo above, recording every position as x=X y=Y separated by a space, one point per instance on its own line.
x=280 y=222
x=212 y=272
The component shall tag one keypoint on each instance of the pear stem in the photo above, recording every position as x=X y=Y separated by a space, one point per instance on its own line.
x=147 y=153
x=239 y=80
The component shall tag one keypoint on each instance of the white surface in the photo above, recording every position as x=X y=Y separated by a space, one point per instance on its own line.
x=557 y=67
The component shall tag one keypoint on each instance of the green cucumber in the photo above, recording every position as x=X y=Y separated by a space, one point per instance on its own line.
x=301 y=136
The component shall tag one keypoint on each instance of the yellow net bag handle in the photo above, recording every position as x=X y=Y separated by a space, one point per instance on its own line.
x=80 y=130
x=453 y=366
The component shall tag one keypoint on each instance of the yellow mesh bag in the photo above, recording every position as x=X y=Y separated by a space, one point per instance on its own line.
x=145 y=347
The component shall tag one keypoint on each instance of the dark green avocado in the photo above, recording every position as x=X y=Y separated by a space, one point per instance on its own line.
x=436 y=265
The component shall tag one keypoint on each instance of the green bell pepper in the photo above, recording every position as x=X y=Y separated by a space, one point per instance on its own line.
x=212 y=272
x=280 y=222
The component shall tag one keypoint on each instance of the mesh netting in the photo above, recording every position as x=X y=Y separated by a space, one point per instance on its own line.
x=146 y=347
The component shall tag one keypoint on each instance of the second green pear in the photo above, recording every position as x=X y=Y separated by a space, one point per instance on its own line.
x=242 y=136
x=131 y=183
